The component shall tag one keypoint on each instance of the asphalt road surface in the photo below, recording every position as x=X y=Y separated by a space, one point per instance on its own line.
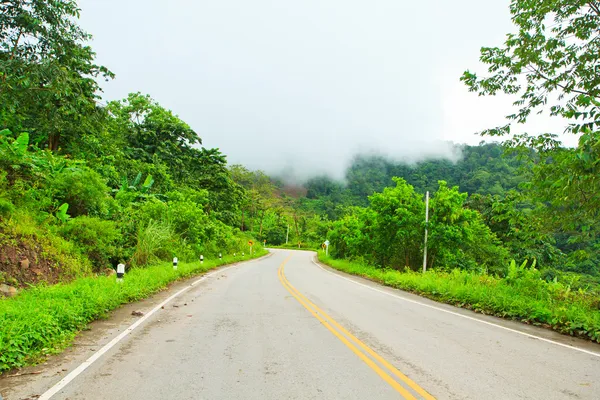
x=285 y=328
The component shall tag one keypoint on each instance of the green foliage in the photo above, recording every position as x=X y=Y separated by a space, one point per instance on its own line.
x=390 y=232
x=44 y=319
x=48 y=73
x=458 y=236
x=23 y=232
x=61 y=213
x=397 y=225
x=155 y=242
x=482 y=169
x=83 y=189
x=6 y=208
x=84 y=186
x=548 y=63
x=96 y=238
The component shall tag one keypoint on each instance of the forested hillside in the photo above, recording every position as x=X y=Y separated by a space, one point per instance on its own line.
x=531 y=200
x=483 y=169
x=503 y=184
x=85 y=185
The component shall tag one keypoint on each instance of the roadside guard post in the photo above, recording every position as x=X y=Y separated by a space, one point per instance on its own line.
x=120 y=272
x=326 y=247
x=174 y=262
x=220 y=256
x=201 y=258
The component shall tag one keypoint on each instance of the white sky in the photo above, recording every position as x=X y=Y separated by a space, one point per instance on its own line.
x=305 y=85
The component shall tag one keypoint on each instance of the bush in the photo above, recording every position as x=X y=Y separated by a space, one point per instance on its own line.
x=6 y=208
x=83 y=189
x=155 y=241
x=97 y=239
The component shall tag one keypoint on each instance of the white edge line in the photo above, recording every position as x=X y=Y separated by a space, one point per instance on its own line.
x=84 y=365
x=461 y=315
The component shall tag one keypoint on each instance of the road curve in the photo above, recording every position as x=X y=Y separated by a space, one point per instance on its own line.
x=285 y=328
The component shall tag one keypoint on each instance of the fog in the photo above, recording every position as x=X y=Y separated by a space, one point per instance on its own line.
x=299 y=88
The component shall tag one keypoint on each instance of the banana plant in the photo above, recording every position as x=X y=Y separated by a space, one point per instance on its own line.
x=61 y=213
x=135 y=184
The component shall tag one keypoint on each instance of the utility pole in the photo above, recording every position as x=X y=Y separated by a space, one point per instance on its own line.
x=287 y=235
x=426 y=223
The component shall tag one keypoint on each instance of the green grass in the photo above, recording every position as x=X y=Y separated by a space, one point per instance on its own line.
x=520 y=296
x=43 y=320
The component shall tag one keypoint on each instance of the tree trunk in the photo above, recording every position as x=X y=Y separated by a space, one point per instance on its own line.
x=53 y=141
x=296 y=225
x=242 y=227
x=261 y=222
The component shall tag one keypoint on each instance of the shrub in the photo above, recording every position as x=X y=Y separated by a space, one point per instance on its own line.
x=83 y=189
x=97 y=239
x=6 y=208
x=155 y=241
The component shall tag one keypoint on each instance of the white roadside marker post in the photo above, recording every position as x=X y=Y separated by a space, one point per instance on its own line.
x=201 y=258
x=120 y=272
x=220 y=257
x=327 y=248
x=174 y=262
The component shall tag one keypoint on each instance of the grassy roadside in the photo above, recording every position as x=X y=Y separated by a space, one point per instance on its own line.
x=43 y=320
x=521 y=296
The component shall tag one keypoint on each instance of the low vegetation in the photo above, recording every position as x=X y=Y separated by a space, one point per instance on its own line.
x=44 y=319
x=521 y=295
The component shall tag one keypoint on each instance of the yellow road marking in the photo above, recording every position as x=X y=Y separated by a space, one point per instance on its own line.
x=363 y=357
x=319 y=314
x=376 y=356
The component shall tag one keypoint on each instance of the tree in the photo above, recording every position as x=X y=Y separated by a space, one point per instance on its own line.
x=397 y=226
x=48 y=76
x=550 y=63
x=458 y=237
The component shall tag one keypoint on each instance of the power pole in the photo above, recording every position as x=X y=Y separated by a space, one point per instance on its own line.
x=426 y=223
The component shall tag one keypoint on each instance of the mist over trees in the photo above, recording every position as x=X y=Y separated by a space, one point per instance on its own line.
x=131 y=178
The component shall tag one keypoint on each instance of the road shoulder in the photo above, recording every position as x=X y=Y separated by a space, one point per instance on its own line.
x=29 y=382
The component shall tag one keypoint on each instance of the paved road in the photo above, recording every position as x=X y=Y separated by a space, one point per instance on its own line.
x=284 y=328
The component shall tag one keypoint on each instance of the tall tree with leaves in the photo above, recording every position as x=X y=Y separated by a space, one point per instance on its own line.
x=551 y=65
x=48 y=75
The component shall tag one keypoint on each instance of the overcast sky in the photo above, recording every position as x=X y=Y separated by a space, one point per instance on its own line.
x=304 y=85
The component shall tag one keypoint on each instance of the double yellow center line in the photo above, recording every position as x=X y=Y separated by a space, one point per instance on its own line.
x=358 y=347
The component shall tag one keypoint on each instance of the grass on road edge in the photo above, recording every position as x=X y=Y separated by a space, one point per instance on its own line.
x=44 y=320
x=522 y=296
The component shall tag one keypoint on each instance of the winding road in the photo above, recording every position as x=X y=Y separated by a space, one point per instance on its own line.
x=284 y=327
